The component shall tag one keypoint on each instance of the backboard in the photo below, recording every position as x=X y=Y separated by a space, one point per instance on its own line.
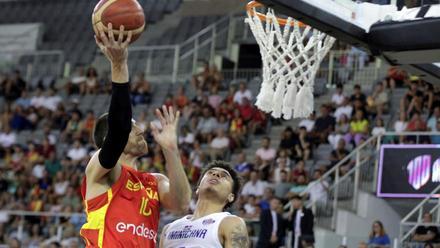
x=403 y=36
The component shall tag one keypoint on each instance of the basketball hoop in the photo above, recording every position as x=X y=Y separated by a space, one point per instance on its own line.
x=291 y=53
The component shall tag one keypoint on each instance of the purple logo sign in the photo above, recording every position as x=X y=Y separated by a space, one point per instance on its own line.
x=419 y=171
x=408 y=171
x=436 y=171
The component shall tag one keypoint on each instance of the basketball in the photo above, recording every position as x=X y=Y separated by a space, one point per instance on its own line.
x=128 y=13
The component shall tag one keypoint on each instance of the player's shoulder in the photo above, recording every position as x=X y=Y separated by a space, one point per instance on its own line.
x=159 y=177
x=232 y=220
x=178 y=222
x=165 y=228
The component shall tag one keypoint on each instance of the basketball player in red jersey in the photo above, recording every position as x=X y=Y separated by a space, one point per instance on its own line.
x=122 y=204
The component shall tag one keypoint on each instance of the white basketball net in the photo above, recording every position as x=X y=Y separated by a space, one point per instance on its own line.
x=291 y=58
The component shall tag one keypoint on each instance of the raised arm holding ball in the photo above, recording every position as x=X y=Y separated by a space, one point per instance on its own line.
x=122 y=203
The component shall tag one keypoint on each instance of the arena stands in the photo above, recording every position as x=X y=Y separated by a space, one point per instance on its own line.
x=68 y=27
x=46 y=144
x=45 y=127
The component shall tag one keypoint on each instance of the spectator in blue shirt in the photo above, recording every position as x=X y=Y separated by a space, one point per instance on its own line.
x=378 y=236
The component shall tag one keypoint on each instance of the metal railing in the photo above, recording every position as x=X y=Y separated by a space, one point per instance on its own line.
x=353 y=173
x=34 y=63
x=353 y=66
x=155 y=61
x=414 y=219
x=357 y=171
x=179 y=62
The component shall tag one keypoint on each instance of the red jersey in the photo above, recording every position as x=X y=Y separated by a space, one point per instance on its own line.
x=127 y=215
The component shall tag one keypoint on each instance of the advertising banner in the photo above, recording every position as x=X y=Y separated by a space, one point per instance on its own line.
x=408 y=171
x=19 y=37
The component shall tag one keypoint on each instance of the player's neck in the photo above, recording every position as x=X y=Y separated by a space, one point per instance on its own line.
x=206 y=207
x=128 y=160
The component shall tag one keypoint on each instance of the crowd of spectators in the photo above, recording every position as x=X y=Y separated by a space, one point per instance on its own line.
x=217 y=123
x=44 y=173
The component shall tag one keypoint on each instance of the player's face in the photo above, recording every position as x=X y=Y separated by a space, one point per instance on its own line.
x=136 y=145
x=217 y=180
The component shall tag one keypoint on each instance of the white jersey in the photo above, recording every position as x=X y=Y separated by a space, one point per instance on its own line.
x=200 y=233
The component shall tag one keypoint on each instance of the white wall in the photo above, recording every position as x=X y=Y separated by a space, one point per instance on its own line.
x=356 y=227
x=325 y=238
x=371 y=207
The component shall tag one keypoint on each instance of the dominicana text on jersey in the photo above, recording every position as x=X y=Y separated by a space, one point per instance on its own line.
x=188 y=233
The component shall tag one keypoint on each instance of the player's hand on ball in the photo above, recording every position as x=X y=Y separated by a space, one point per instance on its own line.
x=169 y=120
x=116 y=50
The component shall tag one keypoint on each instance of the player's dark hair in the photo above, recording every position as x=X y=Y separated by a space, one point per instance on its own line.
x=234 y=175
x=100 y=130
x=296 y=197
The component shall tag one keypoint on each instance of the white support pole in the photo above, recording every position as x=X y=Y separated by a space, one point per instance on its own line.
x=149 y=63
x=396 y=243
x=20 y=229
x=213 y=44
x=29 y=68
x=376 y=163
x=330 y=69
x=67 y=69
x=438 y=210
x=176 y=63
x=356 y=179
x=231 y=33
x=59 y=233
x=195 y=54
x=335 y=201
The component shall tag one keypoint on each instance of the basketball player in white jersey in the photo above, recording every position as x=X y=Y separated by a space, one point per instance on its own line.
x=210 y=226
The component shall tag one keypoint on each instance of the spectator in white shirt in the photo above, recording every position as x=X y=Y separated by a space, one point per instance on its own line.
x=60 y=184
x=401 y=124
x=308 y=123
x=379 y=128
x=207 y=124
x=281 y=166
x=251 y=208
x=77 y=152
x=254 y=186
x=344 y=109
x=7 y=137
x=266 y=153
x=197 y=156
x=219 y=145
x=51 y=101
x=338 y=97
x=242 y=93
x=318 y=189
x=38 y=99
x=186 y=137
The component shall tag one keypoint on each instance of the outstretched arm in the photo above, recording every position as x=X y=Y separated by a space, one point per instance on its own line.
x=234 y=233
x=120 y=113
x=175 y=192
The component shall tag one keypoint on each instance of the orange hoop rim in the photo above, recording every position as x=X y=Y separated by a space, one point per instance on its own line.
x=254 y=4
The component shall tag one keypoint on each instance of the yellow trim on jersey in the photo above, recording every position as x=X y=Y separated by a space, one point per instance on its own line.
x=96 y=219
